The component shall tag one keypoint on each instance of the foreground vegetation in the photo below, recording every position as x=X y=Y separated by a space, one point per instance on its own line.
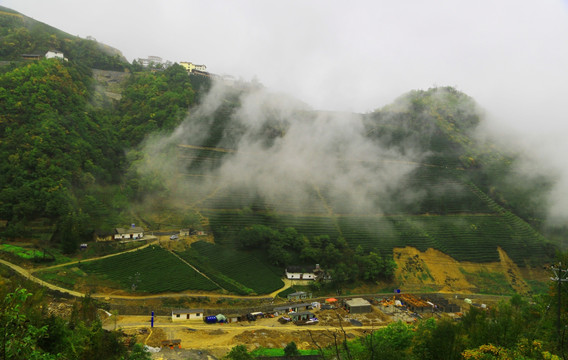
x=74 y=161
x=30 y=333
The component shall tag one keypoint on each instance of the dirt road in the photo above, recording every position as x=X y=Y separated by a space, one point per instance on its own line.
x=28 y=275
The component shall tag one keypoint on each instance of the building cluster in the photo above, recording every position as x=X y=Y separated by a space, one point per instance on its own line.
x=195 y=69
x=296 y=313
x=136 y=233
x=190 y=67
x=120 y=234
x=150 y=61
x=304 y=313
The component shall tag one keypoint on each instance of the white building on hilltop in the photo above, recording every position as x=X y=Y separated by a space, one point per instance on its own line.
x=54 y=54
x=151 y=60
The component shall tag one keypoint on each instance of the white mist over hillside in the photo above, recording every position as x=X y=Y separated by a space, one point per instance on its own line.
x=310 y=153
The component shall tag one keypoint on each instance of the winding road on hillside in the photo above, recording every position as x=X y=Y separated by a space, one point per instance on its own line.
x=28 y=275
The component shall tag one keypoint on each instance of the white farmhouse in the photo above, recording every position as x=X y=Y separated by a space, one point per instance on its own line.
x=307 y=272
x=54 y=54
x=187 y=314
x=134 y=232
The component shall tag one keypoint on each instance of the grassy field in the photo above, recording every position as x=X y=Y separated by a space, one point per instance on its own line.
x=28 y=254
x=490 y=282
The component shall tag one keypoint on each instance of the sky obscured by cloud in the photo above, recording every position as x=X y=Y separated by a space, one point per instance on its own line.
x=333 y=55
x=511 y=56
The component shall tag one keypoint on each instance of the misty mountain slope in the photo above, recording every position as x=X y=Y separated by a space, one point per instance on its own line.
x=20 y=34
x=414 y=173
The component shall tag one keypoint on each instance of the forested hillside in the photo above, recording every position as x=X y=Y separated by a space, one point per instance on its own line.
x=53 y=142
x=65 y=153
x=20 y=35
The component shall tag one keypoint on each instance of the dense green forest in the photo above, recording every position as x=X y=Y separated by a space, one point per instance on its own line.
x=66 y=158
x=75 y=164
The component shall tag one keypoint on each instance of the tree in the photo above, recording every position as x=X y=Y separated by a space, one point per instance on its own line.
x=238 y=352
x=371 y=266
x=71 y=228
x=436 y=340
x=342 y=273
x=278 y=255
x=139 y=353
x=18 y=337
x=291 y=349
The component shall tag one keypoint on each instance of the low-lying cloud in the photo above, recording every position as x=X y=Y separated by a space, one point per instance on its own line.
x=278 y=149
x=286 y=153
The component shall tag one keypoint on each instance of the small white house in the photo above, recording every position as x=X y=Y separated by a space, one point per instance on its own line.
x=187 y=314
x=302 y=272
x=51 y=54
x=134 y=232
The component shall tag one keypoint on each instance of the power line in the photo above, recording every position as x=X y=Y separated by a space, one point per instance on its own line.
x=560 y=275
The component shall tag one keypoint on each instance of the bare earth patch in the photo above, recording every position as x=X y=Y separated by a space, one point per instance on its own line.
x=435 y=271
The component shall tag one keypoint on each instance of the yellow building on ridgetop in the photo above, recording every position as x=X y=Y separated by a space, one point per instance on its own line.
x=191 y=66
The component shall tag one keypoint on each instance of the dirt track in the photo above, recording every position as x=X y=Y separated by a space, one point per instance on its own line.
x=27 y=274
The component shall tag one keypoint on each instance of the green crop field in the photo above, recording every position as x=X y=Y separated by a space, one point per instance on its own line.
x=465 y=237
x=150 y=270
x=27 y=254
x=222 y=263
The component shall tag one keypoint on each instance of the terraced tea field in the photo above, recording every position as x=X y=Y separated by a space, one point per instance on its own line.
x=451 y=215
x=472 y=238
x=149 y=270
x=234 y=270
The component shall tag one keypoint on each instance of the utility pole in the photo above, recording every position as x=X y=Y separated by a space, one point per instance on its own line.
x=560 y=275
